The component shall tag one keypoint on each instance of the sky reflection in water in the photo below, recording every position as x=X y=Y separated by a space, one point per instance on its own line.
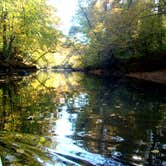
x=74 y=119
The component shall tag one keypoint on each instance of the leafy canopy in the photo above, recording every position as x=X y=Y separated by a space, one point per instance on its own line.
x=28 y=28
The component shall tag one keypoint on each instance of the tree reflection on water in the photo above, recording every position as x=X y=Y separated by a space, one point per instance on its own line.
x=75 y=119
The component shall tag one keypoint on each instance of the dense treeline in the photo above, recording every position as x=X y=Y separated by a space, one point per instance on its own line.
x=104 y=30
x=122 y=29
x=28 y=31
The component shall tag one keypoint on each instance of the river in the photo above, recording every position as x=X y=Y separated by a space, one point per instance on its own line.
x=63 y=119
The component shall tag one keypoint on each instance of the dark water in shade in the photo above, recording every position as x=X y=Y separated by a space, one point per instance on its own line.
x=68 y=119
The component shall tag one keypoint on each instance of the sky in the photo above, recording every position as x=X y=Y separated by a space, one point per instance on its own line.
x=65 y=10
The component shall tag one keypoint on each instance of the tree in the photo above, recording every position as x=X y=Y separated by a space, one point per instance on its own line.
x=28 y=29
x=124 y=29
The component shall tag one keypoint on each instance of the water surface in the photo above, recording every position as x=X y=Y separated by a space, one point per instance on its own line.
x=52 y=118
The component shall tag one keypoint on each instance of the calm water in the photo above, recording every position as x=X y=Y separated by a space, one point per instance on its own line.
x=68 y=119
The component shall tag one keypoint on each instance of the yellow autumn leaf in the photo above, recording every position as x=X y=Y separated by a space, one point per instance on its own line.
x=155 y=151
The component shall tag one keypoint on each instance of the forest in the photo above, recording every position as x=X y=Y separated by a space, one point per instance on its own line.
x=28 y=32
x=128 y=30
x=93 y=94
x=123 y=35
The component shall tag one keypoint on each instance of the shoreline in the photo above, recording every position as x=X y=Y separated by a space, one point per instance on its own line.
x=157 y=76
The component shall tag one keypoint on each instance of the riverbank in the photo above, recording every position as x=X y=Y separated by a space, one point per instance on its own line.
x=155 y=76
x=158 y=76
x=14 y=66
x=149 y=68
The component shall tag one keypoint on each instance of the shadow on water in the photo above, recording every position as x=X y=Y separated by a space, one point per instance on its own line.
x=75 y=119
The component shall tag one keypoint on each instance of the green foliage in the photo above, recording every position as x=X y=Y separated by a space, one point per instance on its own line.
x=128 y=29
x=27 y=29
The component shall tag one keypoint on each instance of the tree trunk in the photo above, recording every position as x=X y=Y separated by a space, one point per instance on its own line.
x=160 y=22
x=4 y=17
x=9 y=48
